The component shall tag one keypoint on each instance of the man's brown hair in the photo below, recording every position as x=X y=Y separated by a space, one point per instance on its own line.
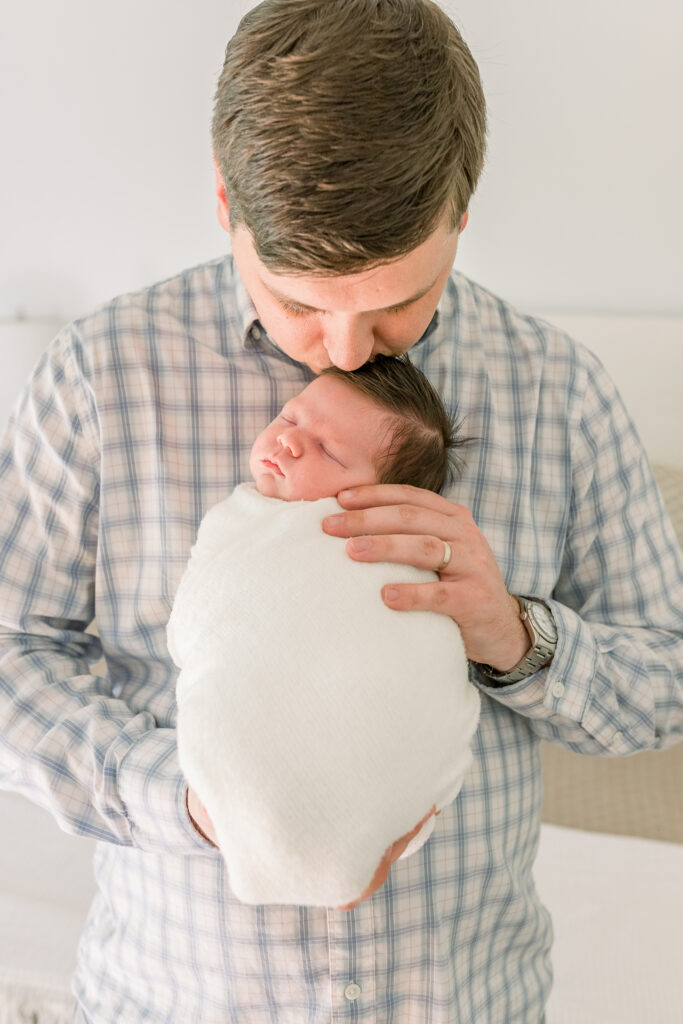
x=422 y=441
x=345 y=130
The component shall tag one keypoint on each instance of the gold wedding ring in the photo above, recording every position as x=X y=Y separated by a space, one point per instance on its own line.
x=446 y=556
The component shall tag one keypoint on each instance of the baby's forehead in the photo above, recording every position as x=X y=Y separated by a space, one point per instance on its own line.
x=336 y=397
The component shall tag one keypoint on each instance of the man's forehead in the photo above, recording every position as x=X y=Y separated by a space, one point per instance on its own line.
x=382 y=287
x=283 y=296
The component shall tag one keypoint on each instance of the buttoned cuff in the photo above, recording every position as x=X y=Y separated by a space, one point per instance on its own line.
x=562 y=688
x=153 y=791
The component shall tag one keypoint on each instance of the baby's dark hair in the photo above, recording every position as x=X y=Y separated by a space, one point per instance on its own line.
x=423 y=441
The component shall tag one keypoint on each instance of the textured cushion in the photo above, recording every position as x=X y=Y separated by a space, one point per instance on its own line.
x=670 y=480
x=637 y=795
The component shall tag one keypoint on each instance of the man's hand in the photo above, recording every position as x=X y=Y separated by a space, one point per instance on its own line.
x=408 y=525
x=199 y=817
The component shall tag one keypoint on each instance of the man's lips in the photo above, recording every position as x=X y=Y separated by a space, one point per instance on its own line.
x=272 y=465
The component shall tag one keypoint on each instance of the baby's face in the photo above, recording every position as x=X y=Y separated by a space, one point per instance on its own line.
x=325 y=439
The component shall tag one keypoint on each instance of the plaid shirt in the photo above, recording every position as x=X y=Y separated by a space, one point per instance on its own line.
x=139 y=418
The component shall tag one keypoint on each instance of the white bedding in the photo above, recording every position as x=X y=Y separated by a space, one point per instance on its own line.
x=617 y=909
x=46 y=886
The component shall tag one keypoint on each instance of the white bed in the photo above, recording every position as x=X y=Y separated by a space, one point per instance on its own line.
x=616 y=901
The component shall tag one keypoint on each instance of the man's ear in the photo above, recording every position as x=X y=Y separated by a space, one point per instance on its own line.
x=463 y=222
x=223 y=209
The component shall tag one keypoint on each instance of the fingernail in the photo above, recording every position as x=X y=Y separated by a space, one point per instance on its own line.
x=345 y=495
x=391 y=594
x=361 y=543
x=331 y=522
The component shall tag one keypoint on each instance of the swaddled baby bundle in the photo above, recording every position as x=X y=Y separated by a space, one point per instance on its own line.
x=316 y=725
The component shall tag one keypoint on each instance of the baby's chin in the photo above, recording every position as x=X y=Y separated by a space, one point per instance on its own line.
x=279 y=487
x=271 y=486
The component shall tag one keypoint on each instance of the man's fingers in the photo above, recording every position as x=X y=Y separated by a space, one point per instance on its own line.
x=429 y=597
x=423 y=552
x=377 y=495
x=407 y=519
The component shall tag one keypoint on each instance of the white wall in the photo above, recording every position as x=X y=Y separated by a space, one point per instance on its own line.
x=106 y=172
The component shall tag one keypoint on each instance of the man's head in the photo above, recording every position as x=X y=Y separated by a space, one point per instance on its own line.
x=348 y=136
x=383 y=423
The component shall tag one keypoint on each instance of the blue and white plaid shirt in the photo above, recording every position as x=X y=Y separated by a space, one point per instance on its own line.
x=139 y=418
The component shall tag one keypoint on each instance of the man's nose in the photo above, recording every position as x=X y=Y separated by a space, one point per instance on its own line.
x=350 y=344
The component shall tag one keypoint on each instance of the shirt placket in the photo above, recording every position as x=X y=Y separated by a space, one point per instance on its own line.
x=352 y=951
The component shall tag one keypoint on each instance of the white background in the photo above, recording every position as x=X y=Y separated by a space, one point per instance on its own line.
x=106 y=170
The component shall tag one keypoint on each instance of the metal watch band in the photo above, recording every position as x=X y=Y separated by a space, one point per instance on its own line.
x=540 y=653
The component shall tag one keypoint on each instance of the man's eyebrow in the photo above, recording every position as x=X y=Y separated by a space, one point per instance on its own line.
x=395 y=305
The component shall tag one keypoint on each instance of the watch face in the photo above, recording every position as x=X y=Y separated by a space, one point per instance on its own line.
x=543 y=618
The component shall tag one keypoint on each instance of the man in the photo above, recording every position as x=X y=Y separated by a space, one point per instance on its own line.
x=348 y=137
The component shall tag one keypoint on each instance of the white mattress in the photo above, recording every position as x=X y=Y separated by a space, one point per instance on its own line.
x=46 y=886
x=616 y=904
x=617 y=909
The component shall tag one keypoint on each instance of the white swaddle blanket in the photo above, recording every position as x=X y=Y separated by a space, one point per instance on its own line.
x=316 y=725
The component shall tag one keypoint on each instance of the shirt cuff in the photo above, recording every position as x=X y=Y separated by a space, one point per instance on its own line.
x=153 y=792
x=526 y=691
x=562 y=688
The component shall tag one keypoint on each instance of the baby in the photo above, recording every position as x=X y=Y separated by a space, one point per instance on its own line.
x=382 y=423
x=314 y=723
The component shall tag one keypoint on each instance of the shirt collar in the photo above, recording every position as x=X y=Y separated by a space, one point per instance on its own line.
x=246 y=313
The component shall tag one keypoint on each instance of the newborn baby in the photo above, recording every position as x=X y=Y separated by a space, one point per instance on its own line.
x=315 y=723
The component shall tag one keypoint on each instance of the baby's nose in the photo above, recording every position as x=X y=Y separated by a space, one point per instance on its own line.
x=291 y=441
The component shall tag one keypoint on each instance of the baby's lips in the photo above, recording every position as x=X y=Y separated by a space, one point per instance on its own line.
x=273 y=463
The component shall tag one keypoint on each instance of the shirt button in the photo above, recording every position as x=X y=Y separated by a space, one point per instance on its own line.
x=352 y=991
x=256 y=333
x=618 y=737
x=557 y=690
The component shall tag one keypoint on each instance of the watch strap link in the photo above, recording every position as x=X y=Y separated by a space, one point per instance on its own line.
x=541 y=652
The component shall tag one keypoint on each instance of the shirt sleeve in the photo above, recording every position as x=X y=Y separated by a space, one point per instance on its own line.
x=615 y=685
x=99 y=767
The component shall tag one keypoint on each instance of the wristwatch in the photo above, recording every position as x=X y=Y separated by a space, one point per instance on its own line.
x=540 y=625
